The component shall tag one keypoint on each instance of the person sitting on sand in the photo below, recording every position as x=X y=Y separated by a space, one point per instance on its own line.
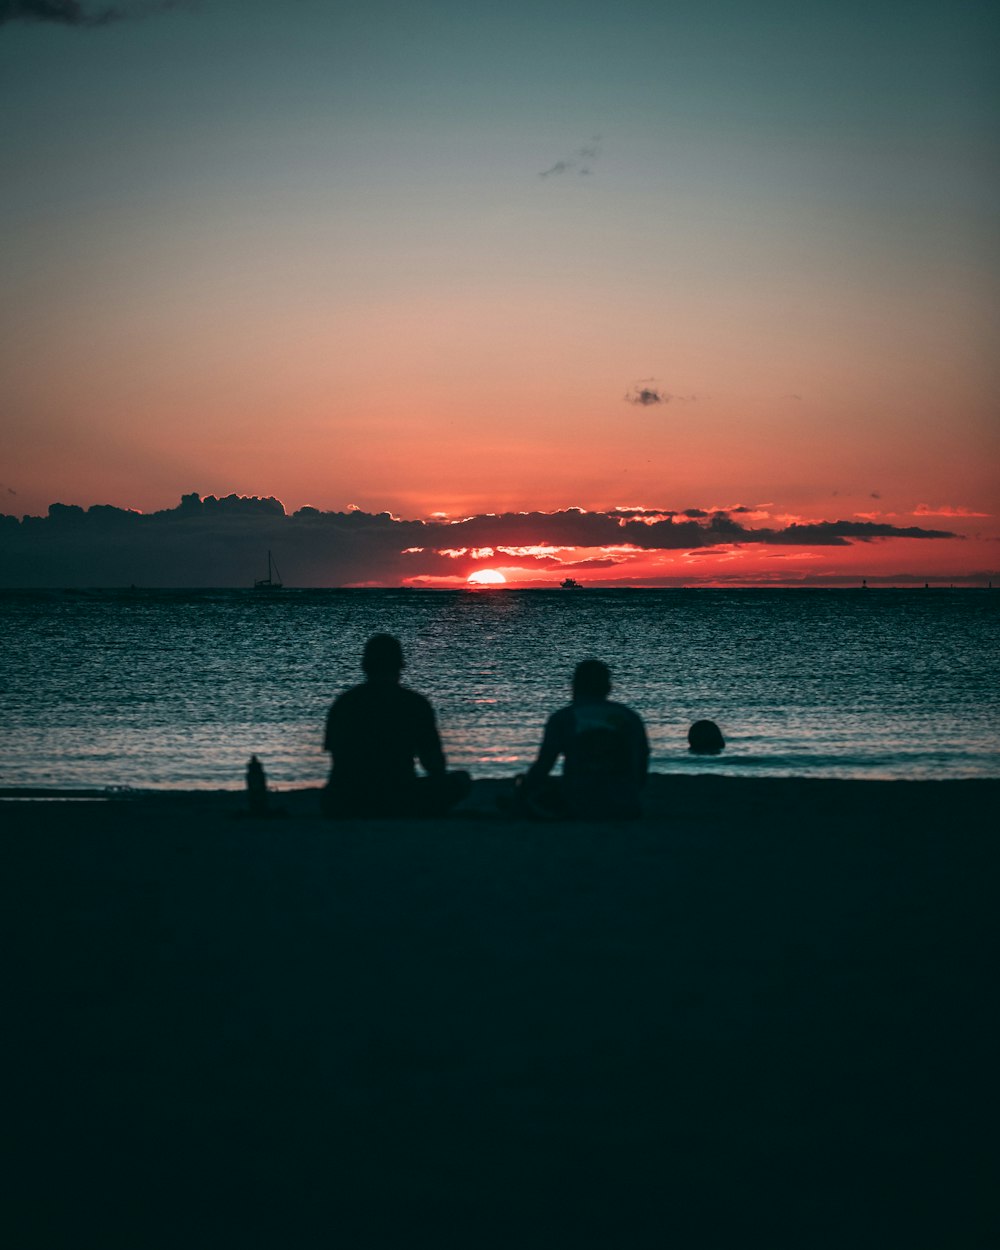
x=605 y=754
x=373 y=733
x=705 y=738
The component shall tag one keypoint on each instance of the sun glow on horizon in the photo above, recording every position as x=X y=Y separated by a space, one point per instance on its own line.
x=486 y=577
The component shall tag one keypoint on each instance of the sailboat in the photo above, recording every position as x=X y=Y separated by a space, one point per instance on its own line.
x=272 y=581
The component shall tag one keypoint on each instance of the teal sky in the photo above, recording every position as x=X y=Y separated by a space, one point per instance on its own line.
x=414 y=256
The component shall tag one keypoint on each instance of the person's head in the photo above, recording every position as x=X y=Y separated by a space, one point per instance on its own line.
x=705 y=738
x=591 y=680
x=382 y=658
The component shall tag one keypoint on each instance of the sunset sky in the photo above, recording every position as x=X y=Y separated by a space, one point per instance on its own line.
x=707 y=264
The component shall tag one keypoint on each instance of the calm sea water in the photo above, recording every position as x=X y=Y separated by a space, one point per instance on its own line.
x=176 y=689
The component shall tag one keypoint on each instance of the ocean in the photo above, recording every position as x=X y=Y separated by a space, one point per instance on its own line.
x=176 y=689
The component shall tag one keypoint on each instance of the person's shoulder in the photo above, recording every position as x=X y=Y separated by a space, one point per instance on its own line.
x=625 y=712
x=352 y=695
x=564 y=716
x=416 y=702
x=622 y=707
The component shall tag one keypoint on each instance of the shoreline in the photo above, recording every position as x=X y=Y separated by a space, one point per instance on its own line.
x=665 y=796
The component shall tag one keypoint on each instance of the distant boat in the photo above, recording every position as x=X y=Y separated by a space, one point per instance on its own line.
x=570 y=584
x=272 y=581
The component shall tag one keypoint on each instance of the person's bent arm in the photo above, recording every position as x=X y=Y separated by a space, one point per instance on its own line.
x=642 y=753
x=548 y=753
x=430 y=753
x=330 y=736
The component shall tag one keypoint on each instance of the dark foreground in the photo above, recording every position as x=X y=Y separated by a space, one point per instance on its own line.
x=762 y=1015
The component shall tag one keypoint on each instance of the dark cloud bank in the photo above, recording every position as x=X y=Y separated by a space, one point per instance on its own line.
x=224 y=542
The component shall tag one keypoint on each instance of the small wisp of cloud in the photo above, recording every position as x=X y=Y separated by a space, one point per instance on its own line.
x=72 y=13
x=923 y=509
x=645 y=394
x=578 y=162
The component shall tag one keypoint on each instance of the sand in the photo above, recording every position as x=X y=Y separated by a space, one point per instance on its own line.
x=760 y=1014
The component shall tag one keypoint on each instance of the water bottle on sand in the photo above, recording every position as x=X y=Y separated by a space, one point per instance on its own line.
x=256 y=787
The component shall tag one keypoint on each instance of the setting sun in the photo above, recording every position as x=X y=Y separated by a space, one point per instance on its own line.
x=487 y=577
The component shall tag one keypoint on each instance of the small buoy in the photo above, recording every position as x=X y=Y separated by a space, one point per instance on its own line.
x=705 y=738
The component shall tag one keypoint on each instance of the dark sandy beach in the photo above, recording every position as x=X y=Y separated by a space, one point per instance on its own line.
x=761 y=1014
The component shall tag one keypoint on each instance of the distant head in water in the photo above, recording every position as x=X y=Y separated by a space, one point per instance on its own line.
x=382 y=658
x=591 y=680
x=705 y=738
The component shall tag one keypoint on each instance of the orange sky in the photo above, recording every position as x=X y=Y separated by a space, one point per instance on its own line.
x=348 y=273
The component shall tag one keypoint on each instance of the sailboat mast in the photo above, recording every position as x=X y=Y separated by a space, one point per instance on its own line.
x=269 y=582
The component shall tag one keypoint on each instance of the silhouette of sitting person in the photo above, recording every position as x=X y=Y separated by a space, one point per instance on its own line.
x=705 y=738
x=373 y=733
x=605 y=754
